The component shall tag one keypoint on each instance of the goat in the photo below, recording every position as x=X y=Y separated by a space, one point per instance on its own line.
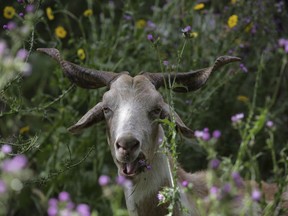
x=130 y=108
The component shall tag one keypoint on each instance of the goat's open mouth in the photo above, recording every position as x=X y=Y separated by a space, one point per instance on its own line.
x=135 y=167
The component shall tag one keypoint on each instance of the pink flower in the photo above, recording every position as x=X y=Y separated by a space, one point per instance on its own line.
x=30 y=8
x=256 y=195
x=237 y=117
x=15 y=164
x=216 y=134
x=83 y=210
x=165 y=62
x=160 y=197
x=269 y=124
x=214 y=164
x=184 y=183
x=150 y=37
x=283 y=43
x=64 y=196
x=6 y=149
x=104 y=180
x=52 y=210
x=22 y=54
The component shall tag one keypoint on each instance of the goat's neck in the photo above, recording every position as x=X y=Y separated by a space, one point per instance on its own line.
x=141 y=196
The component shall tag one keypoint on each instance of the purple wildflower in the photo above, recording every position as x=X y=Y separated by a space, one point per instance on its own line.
x=237 y=179
x=165 y=62
x=237 y=117
x=216 y=134
x=83 y=210
x=127 y=17
x=6 y=149
x=10 y=26
x=52 y=210
x=283 y=43
x=160 y=197
x=20 y=1
x=150 y=37
x=214 y=191
x=185 y=183
x=214 y=163
x=256 y=195
x=2 y=187
x=269 y=124
x=53 y=202
x=64 y=196
x=22 y=54
x=30 y=8
x=198 y=134
x=206 y=136
x=104 y=180
x=187 y=29
x=151 y=25
x=120 y=180
x=226 y=189
x=243 y=68
x=15 y=164
x=21 y=14
x=70 y=205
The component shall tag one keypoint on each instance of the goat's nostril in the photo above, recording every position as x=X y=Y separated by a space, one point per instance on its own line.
x=127 y=143
x=135 y=145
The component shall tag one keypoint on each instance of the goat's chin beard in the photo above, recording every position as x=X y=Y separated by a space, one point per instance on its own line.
x=132 y=169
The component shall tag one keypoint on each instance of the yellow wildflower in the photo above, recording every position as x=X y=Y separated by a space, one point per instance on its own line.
x=88 y=13
x=243 y=98
x=49 y=13
x=233 y=1
x=60 y=32
x=9 y=12
x=81 y=54
x=194 y=34
x=199 y=6
x=232 y=21
x=24 y=129
x=140 y=24
x=190 y=34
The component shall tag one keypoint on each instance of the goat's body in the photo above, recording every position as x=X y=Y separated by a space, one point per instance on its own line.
x=131 y=108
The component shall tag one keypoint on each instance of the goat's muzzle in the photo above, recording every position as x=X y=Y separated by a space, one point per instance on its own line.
x=129 y=156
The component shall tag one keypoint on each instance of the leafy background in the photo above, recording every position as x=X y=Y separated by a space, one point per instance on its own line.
x=37 y=107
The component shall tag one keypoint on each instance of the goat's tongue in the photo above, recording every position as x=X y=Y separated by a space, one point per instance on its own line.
x=130 y=168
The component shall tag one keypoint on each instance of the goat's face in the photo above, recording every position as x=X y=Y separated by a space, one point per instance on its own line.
x=131 y=108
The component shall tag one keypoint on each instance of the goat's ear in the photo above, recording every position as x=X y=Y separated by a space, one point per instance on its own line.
x=93 y=116
x=167 y=112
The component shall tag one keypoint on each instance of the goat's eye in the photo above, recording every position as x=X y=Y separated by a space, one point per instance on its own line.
x=106 y=110
x=155 y=112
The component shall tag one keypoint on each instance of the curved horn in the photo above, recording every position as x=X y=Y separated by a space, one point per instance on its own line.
x=189 y=81
x=83 y=77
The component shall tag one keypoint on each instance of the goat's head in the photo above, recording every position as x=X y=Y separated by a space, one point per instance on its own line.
x=131 y=108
